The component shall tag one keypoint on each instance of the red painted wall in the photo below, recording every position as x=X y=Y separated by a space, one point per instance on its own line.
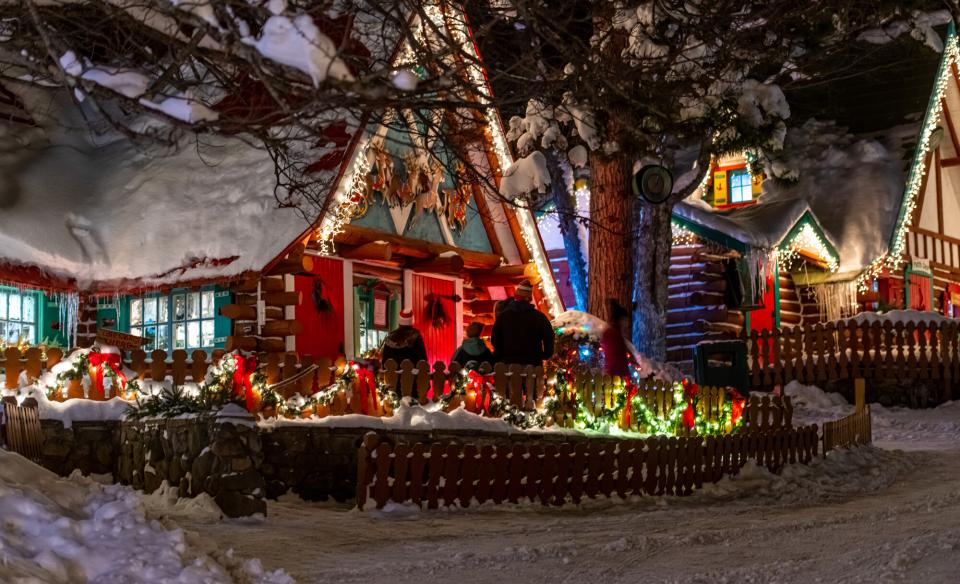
x=441 y=342
x=323 y=332
x=764 y=318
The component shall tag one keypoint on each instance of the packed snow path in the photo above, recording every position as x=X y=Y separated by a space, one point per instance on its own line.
x=871 y=515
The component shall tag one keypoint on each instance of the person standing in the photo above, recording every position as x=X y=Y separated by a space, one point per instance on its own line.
x=473 y=349
x=613 y=342
x=404 y=342
x=521 y=333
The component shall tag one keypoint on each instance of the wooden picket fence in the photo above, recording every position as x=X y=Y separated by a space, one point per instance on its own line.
x=455 y=474
x=855 y=429
x=850 y=349
x=179 y=367
x=21 y=428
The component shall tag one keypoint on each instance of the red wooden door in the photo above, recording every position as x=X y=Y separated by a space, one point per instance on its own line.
x=920 y=292
x=764 y=318
x=321 y=310
x=439 y=334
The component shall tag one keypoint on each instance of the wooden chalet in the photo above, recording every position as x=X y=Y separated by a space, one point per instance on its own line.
x=191 y=252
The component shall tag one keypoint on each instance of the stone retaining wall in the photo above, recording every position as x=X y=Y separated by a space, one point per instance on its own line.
x=219 y=455
x=90 y=447
x=236 y=462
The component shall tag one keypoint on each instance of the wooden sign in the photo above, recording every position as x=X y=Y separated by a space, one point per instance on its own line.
x=920 y=265
x=122 y=341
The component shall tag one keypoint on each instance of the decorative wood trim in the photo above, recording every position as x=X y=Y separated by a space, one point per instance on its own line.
x=483 y=209
x=948 y=162
x=939 y=179
x=918 y=212
x=953 y=129
x=348 y=339
x=922 y=231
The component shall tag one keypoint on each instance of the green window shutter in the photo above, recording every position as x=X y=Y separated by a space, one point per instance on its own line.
x=222 y=326
x=393 y=307
x=49 y=313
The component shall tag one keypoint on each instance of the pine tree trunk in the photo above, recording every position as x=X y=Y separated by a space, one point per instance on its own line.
x=651 y=259
x=567 y=217
x=611 y=273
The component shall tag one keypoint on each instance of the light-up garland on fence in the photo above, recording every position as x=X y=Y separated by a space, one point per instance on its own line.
x=894 y=258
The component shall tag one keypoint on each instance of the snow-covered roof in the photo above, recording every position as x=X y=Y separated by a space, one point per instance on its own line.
x=852 y=186
x=107 y=214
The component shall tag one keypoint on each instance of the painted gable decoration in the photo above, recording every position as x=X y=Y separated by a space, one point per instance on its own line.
x=412 y=182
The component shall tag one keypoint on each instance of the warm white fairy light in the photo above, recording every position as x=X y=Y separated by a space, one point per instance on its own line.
x=682 y=235
x=528 y=225
x=806 y=238
x=345 y=199
x=894 y=258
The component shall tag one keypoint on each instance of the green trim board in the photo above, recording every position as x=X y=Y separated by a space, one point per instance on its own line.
x=930 y=117
x=711 y=234
x=776 y=295
x=808 y=219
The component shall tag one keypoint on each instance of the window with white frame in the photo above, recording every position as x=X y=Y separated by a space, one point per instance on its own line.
x=181 y=320
x=18 y=316
x=741 y=189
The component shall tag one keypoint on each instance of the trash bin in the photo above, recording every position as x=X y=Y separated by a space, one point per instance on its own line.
x=722 y=364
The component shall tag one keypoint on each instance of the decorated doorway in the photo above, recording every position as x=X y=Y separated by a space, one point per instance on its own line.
x=435 y=308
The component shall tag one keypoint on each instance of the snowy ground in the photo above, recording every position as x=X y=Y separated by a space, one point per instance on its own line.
x=888 y=514
x=76 y=530
x=878 y=514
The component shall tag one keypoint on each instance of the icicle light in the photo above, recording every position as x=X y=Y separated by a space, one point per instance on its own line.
x=894 y=258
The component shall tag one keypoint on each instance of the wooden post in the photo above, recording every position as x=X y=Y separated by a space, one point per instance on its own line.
x=859 y=393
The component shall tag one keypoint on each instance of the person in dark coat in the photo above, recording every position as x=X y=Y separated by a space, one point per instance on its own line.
x=404 y=342
x=522 y=334
x=473 y=348
x=613 y=342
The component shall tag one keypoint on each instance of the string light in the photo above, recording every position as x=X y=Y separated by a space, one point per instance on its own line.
x=682 y=235
x=346 y=198
x=894 y=258
x=806 y=238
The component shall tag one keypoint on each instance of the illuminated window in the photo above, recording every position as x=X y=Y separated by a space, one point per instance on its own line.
x=18 y=316
x=741 y=190
x=182 y=320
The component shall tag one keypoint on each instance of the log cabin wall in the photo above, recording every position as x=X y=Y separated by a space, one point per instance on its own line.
x=791 y=308
x=696 y=307
x=809 y=307
x=280 y=298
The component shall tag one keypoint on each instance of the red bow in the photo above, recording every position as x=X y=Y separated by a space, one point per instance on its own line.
x=632 y=392
x=367 y=386
x=244 y=367
x=111 y=360
x=481 y=385
x=736 y=407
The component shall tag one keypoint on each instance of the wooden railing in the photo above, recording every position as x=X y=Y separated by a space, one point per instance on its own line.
x=21 y=428
x=179 y=366
x=855 y=429
x=455 y=474
x=850 y=349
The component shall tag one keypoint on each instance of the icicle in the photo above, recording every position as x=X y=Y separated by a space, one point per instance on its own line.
x=69 y=311
x=836 y=300
x=759 y=263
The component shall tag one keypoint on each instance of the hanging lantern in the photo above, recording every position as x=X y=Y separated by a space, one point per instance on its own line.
x=654 y=183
